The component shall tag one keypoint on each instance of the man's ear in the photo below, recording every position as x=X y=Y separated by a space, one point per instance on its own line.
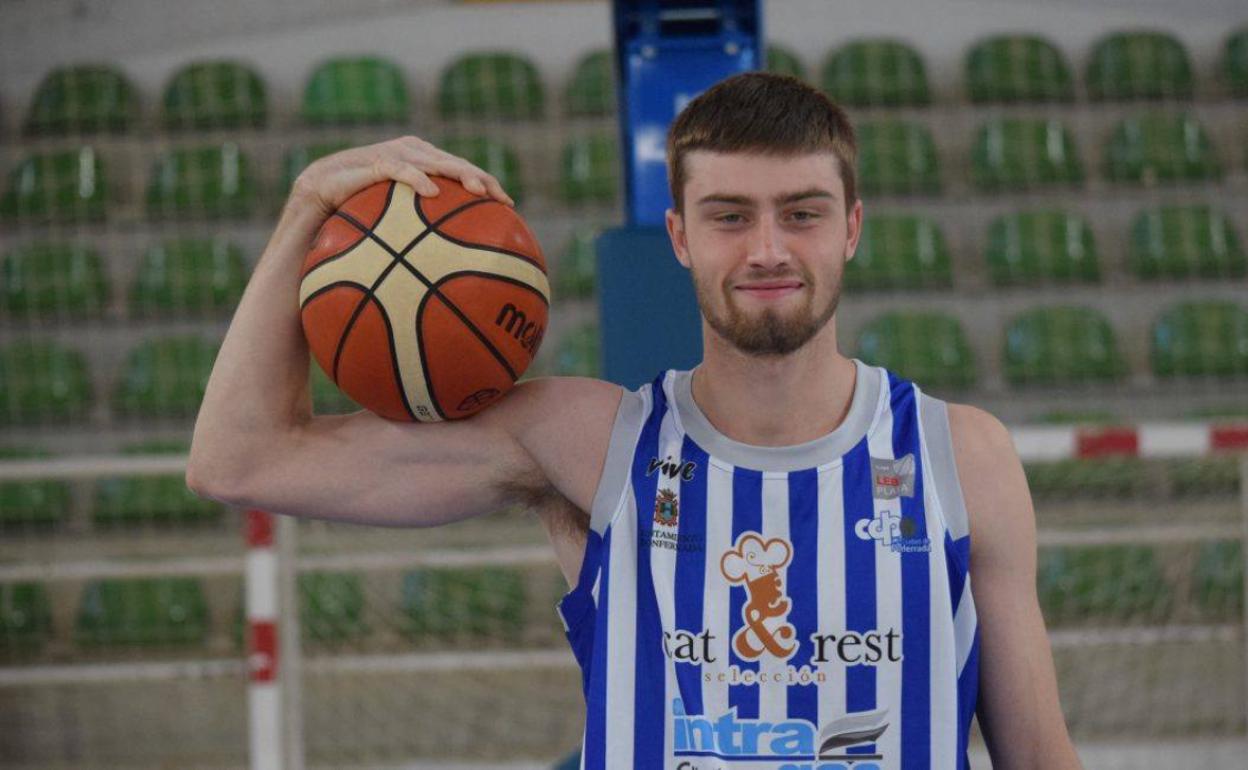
x=676 y=232
x=854 y=229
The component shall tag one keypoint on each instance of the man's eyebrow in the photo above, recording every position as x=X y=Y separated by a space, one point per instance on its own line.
x=780 y=200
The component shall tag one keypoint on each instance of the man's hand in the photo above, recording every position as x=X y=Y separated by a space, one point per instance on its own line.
x=329 y=181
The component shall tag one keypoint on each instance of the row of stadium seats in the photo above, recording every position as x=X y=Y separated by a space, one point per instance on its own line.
x=1048 y=345
x=219 y=181
x=437 y=606
x=1033 y=248
x=503 y=85
x=191 y=277
x=130 y=500
x=163 y=501
x=1052 y=345
x=895 y=157
x=1105 y=585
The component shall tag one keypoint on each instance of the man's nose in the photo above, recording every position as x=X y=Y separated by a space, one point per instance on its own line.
x=768 y=247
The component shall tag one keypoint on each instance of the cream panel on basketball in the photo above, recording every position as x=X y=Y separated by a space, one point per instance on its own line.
x=364 y=261
x=400 y=294
x=399 y=225
x=436 y=257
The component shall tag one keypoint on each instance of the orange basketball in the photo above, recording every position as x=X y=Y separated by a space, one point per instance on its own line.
x=424 y=309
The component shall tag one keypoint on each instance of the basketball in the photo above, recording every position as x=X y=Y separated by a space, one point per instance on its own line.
x=424 y=309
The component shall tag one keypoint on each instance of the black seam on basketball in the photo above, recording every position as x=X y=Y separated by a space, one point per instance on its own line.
x=333 y=257
x=399 y=259
x=493 y=276
x=327 y=287
x=394 y=361
x=424 y=364
x=495 y=249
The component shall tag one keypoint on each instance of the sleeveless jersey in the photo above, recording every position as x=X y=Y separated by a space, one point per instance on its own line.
x=804 y=607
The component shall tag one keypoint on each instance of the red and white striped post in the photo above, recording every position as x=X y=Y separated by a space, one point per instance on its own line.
x=264 y=691
x=1146 y=440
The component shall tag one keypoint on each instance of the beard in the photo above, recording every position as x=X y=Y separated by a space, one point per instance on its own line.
x=769 y=332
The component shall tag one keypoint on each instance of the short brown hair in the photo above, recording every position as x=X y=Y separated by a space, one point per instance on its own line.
x=761 y=112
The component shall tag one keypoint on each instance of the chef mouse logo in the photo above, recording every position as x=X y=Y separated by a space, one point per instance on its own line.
x=757 y=564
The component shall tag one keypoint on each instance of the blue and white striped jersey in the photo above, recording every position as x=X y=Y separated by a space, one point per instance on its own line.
x=805 y=607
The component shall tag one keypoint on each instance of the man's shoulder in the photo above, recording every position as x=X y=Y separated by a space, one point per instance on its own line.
x=565 y=425
x=993 y=483
x=978 y=436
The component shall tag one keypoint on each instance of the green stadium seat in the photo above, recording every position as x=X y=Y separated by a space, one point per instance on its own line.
x=160 y=500
x=64 y=186
x=1030 y=248
x=1218 y=579
x=1139 y=65
x=326 y=397
x=189 y=276
x=1201 y=338
x=1061 y=345
x=782 y=61
x=491 y=156
x=926 y=347
x=1174 y=242
x=876 y=73
x=1235 y=63
x=1101 y=478
x=332 y=606
x=25 y=617
x=1160 y=148
x=1204 y=476
x=590 y=170
x=899 y=251
x=53 y=278
x=42 y=382
x=579 y=352
x=84 y=99
x=897 y=158
x=34 y=504
x=215 y=94
x=492 y=85
x=591 y=90
x=575 y=273
x=1103 y=584
x=355 y=91
x=1078 y=417
x=142 y=611
x=203 y=182
x=484 y=604
x=1024 y=154
x=1017 y=68
x=299 y=158
x=165 y=377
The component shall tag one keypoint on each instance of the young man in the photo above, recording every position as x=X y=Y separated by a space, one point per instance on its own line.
x=770 y=554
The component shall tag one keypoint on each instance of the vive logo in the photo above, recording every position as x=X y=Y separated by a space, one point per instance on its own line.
x=671 y=468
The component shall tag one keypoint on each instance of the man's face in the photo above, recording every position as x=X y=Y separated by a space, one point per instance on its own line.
x=766 y=239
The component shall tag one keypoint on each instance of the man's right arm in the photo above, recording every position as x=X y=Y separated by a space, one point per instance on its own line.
x=257 y=444
x=365 y=469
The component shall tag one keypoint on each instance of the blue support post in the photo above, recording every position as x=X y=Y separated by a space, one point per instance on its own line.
x=666 y=53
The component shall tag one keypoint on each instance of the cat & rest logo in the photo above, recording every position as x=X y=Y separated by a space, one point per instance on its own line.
x=757 y=565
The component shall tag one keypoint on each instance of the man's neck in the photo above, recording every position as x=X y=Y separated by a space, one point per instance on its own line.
x=777 y=400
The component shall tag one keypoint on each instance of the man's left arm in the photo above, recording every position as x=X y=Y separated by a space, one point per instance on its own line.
x=1018 y=707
